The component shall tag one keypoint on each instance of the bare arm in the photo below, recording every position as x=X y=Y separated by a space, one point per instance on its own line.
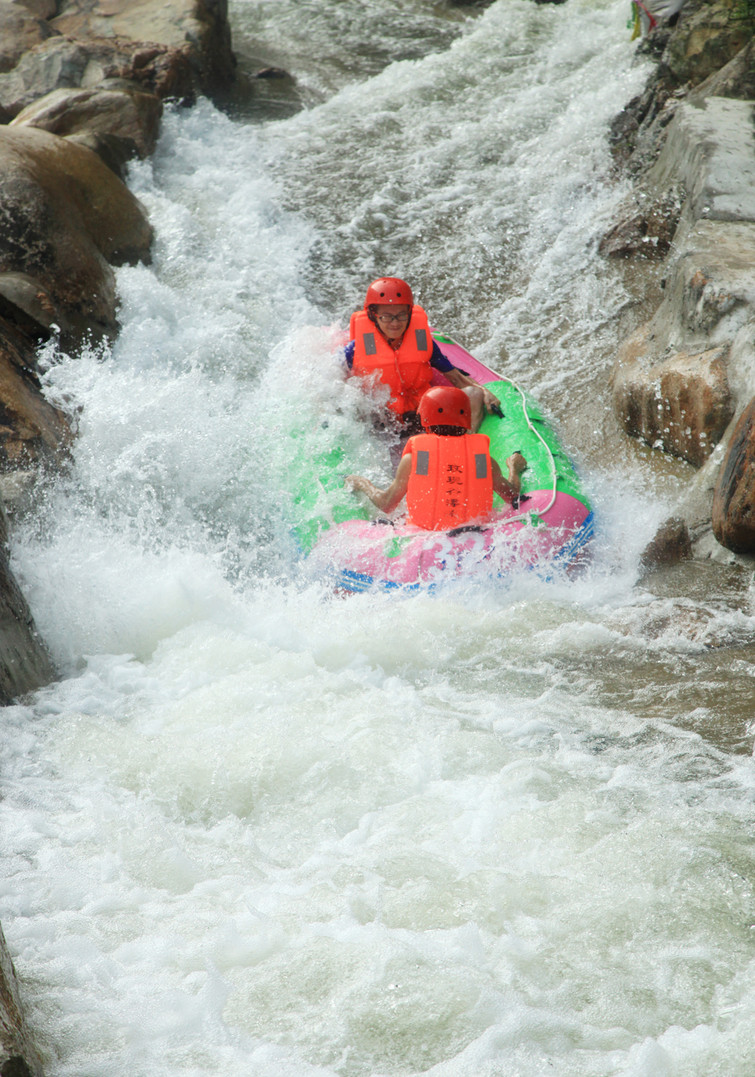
x=463 y=381
x=385 y=500
x=510 y=488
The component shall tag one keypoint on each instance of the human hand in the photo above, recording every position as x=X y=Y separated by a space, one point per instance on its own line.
x=355 y=483
x=491 y=402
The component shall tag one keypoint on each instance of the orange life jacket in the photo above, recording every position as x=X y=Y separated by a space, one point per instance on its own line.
x=451 y=480
x=406 y=371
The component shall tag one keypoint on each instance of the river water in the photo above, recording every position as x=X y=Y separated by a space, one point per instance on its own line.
x=257 y=829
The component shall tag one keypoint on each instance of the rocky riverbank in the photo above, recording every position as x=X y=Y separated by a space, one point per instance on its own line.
x=82 y=87
x=684 y=379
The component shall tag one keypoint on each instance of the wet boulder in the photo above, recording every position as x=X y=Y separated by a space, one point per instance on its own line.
x=66 y=220
x=120 y=114
x=733 y=515
x=53 y=63
x=678 y=378
x=25 y=663
x=670 y=545
x=64 y=63
x=707 y=36
x=645 y=227
x=197 y=28
x=708 y=52
x=32 y=430
x=736 y=79
x=709 y=150
x=28 y=306
x=23 y=24
x=681 y=404
x=18 y=1057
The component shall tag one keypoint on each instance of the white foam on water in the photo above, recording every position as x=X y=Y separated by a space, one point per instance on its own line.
x=257 y=828
x=383 y=844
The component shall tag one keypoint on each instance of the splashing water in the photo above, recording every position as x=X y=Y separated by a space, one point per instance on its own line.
x=258 y=829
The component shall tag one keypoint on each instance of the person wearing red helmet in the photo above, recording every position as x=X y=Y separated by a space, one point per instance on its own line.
x=446 y=473
x=392 y=343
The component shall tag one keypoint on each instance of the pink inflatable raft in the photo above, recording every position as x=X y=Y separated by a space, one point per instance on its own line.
x=550 y=529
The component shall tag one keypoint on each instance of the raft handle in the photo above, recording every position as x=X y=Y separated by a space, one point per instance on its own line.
x=466 y=528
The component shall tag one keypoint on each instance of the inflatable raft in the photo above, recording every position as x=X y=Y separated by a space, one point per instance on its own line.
x=549 y=529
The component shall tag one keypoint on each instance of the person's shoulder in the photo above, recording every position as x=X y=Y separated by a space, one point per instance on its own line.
x=410 y=445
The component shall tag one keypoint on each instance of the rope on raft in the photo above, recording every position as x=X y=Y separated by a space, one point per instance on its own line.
x=554 y=476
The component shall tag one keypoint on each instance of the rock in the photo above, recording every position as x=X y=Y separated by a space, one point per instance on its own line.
x=57 y=62
x=735 y=80
x=18 y=1057
x=67 y=219
x=198 y=28
x=671 y=544
x=32 y=431
x=709 y=150
x=25 y=303
x=707 y=36
x=17 y=491
x=696 y=499
x=22 y=26
x=733 y=513
x=113 y=152
x=25 y=664
x=710 y=290
x=173 y=48
x=681 y=405
x=129 y=118
x=742 y=364
x=646 y=227
x=271 y=73
x=681 y=378
x=169 y=48
x=63 y=63
x=673 y=378
x=638 y=133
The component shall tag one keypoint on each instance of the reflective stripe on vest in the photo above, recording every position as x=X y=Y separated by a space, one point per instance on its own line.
x=451 y=480
x=406 y=371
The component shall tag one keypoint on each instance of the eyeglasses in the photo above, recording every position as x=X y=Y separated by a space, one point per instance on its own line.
x=393 y=317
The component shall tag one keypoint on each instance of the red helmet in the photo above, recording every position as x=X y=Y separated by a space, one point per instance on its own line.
x=445 y=405
x=388 y=290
